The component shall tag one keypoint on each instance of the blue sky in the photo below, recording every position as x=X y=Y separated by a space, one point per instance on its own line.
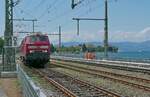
x=128 y=19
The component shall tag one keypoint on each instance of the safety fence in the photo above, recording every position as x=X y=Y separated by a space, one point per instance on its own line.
x=28 y=87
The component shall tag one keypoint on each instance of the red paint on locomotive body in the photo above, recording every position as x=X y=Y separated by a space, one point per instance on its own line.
x=35 y=49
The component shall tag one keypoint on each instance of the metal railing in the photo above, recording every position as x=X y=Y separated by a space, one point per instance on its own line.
x=28 y=87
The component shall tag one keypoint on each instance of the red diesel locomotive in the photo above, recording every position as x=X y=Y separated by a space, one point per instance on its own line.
x=35 y=50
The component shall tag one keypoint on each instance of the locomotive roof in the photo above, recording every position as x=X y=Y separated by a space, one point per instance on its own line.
x=37 y=34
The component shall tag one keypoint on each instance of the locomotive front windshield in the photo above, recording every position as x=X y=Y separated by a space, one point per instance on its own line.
x=38 y=38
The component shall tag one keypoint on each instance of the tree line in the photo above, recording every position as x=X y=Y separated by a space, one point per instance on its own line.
x=82 y=48
x=1 y=44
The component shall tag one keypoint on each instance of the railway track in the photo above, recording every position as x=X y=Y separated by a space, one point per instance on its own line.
x=103 y=72
x=72 y=87
x=64 y=91
x=122 y=65
x=107 y=75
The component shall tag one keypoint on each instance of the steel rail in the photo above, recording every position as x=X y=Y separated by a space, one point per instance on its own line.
x=57 y=85
x=145 y=88
x=83 y=83
x=105 y=63
x=105 y=72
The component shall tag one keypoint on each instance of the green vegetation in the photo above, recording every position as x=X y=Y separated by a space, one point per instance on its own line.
x=83 y=48
x=1 y=45
x=52 y=48
x=72 y=49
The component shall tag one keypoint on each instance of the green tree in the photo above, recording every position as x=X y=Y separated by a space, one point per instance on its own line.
x=113 y=49
x=99 y=49
x=1 y=45
x=84 y=48
x=52 y=48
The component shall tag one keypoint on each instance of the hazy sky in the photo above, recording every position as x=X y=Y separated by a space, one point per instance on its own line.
x=128 y=19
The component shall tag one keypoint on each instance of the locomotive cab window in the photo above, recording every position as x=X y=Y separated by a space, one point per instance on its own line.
x=38 y=38
x=33 y=38
x=43 y=38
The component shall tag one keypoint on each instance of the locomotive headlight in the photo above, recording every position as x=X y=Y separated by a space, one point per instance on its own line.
x=32 y=47
x=31 y=51
x=45 y=51
x=44 y=47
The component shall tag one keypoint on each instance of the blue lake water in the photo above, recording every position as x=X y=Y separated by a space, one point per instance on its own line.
x=130 y=55
x=126 y=56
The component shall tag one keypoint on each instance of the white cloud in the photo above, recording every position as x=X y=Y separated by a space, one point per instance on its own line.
x=140 y=36
x=71 y=36
x=116 y=36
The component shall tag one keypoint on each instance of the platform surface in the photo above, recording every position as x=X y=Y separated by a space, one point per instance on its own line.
x=2 y=93
x=10 y=87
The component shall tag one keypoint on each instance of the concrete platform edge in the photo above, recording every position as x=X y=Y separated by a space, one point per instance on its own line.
x=5 y=74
